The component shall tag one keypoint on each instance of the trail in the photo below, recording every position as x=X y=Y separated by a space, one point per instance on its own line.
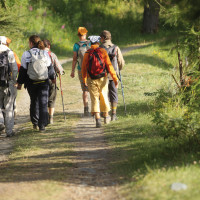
x=91 y=178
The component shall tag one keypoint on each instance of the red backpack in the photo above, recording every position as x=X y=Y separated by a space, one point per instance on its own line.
x=97 y=66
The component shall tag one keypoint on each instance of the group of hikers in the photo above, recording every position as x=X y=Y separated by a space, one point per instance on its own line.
x=98 y=60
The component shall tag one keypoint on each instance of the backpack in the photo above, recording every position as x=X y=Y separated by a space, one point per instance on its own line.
x=112 y=52
x=37 y=68
x=97 y=66
x=5 y=71
x=83 y=47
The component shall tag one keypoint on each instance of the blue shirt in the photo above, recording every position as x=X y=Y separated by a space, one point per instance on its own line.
x=76 y=48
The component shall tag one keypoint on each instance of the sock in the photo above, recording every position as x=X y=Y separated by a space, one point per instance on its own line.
x=114 y=108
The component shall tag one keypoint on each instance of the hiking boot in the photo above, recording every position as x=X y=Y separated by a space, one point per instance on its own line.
x=10 y=135
x=35 y=127
x=86 y=112
x=113 y=117
x=2 y=127
x=42 y=129
x=98 y=123
x=107 y=120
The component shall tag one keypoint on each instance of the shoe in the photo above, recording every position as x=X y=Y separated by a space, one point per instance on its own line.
x=107 y=120
x=10 y=135
x=113 y=117
x=98 y=123
x=42 y=129
x=15 y=113
x=35 y=127
x=50 y=119
x=2 y=127
x=86 y=112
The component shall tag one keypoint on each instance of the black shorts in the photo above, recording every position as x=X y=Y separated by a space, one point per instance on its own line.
x=52 y=94
x=112 y=92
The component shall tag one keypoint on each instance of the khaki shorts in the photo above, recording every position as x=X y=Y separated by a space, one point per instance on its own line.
x=83 y=87
x=98 y=89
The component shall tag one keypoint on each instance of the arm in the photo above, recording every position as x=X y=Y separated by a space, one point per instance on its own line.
x=75 y=57
x=57 y=66
x=13 y=66
x=110 y=68
x=84 y=67
x=120 y=59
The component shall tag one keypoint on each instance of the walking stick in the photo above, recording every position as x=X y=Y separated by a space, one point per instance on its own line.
x=62 y=97
x=122 y=87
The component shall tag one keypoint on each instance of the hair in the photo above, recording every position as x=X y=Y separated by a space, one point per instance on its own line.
x=46 y=42
x=36 y=41
x=106 y=35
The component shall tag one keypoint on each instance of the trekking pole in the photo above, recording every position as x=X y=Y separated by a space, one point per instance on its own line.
x=122 y=87
x=62 y=97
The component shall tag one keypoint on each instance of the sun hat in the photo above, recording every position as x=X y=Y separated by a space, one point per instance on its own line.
x=82 y=31
x=94 y=38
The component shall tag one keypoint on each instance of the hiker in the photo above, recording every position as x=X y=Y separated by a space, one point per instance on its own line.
x=52 y=85
x=79 y=50
x=8 y=41
x=8 y=92
x=95 y=65
x=34 y=73
x=117 y=61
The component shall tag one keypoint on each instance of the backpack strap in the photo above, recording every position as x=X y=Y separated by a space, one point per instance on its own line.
x=83 y=43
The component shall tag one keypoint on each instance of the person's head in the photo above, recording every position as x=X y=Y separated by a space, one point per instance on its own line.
x=35 y=41
x=105 y=35
x=94 y=39
x=47 y=43
x=82 y=33
x=5 y=40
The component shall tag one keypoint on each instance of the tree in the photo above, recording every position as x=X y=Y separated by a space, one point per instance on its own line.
x=151 y=16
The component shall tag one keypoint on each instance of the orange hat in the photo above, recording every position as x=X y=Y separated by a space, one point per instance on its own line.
x=8 y=40
x=82 y=31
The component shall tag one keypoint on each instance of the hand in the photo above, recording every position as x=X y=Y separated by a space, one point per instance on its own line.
x=53 y=81
x=19 y=86
x=62 y=73
x=86 y=85
x=72 y=74
x=116 y=84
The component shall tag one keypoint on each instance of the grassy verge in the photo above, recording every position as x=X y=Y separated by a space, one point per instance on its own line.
x=40 y=163
x=145 y=162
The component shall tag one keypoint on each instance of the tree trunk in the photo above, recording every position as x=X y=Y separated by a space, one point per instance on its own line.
x=151 y=16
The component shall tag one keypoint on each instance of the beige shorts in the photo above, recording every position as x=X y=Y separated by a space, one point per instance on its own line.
x=83 y=87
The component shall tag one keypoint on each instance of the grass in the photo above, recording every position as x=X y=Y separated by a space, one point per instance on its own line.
x=144 y=162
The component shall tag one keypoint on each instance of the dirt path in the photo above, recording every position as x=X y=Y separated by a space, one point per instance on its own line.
x=91 y=178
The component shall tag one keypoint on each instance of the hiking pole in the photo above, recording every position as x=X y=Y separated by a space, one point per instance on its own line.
x=62 y=97
x=122 y=87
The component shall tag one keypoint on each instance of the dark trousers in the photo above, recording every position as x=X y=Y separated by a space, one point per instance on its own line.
x=39 y=93
x=112 y=92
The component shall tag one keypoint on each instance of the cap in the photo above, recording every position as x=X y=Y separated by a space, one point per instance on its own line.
x=82 y=31
x=106 y=35
x=5 y=40
x=8 y=40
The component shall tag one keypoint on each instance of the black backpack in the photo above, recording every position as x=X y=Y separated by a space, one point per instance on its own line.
x=112 y=53
x=5 y=71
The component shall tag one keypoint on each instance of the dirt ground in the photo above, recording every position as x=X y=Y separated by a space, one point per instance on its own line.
x=90 y=178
